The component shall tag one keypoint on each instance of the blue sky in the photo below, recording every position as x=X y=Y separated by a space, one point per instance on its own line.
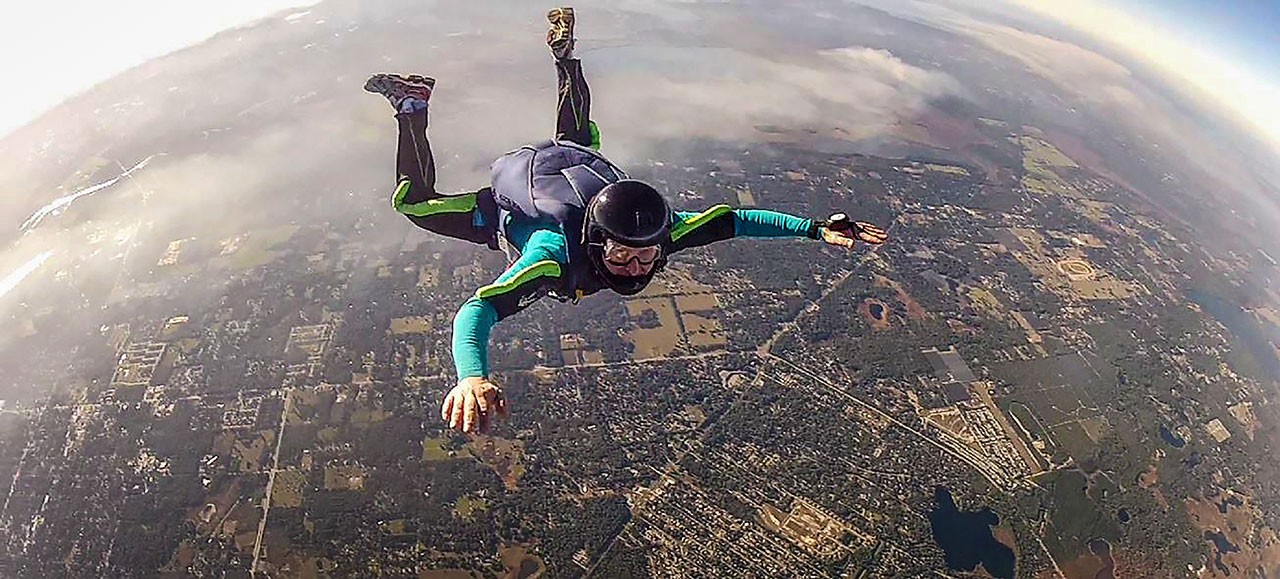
x=1248 y=30
x=1226 y=54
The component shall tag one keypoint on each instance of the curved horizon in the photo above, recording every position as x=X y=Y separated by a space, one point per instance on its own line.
x=1194 y=40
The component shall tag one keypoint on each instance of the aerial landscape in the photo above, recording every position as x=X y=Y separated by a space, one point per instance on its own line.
x=224 y=353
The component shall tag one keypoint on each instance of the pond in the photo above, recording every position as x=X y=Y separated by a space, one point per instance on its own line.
x=1102 y=550
x=1171 y=438
x=1222 y=547
x=966 y=539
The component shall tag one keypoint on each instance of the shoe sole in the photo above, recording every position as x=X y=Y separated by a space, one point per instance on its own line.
x=561 y=20
x=398 y=85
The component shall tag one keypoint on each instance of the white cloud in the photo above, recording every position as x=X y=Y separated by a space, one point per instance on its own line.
x=725 y=94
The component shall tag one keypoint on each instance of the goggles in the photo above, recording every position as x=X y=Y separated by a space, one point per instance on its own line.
x=618 y=254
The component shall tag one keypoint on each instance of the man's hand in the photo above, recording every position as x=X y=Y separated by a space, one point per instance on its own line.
x=472 y=404
x=847 y=237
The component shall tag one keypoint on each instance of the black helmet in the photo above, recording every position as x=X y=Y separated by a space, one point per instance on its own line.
x=631 y=213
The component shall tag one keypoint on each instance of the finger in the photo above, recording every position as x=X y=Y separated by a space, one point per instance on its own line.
x=446 y=408
x=483 y=400
x=469 y=412
x=483 y=424
x=869 y=226
x=871 y=234
x=455 y=416
x=839 y=238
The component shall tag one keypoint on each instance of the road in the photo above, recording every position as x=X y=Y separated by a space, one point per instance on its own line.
x=271 y=482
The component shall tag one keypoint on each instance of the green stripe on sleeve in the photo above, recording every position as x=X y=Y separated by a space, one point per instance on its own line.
x=542 y=268
x=686 y=226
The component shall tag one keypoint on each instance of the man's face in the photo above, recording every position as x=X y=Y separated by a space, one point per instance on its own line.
x=629 y=261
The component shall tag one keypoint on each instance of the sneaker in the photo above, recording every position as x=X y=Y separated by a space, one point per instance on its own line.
x=560 y=35
x=401 y=89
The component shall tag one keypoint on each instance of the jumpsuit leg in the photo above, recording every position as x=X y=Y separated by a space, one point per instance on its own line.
x=573 y=111
x=416 y=195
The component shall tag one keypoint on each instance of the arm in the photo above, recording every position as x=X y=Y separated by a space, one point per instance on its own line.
x=526 y=280
x=722 y=222
x=766 y=223
x=471 y=405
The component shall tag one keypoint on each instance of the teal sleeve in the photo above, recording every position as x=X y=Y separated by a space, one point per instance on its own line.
x=766 y=223
x=471 y=328
x=543 y=241
x=476 y=318
x=762 y=223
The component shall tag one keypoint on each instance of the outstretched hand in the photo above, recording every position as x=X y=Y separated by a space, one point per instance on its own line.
x=849 y=236
x=472 y=405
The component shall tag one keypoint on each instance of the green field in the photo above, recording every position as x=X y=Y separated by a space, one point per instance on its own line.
x=1023 y=415
x=433 y=449
x=257 y=249
x=1076 y=518
x=467 y=507
x=1059 y=389
x=1074 y=440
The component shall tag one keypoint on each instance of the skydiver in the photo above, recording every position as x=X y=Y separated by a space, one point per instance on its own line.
x=577 y=221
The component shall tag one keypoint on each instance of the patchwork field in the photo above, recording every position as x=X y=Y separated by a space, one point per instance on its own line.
x=1068 y=272
x=502 y=455
x=653 y=340
x=676 y=313
x=1056 y=400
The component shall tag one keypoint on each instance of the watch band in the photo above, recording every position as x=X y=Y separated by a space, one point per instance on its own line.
x=835 y=221
x=815 y=228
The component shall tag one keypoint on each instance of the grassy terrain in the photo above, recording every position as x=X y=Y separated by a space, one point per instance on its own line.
x=1076 y=519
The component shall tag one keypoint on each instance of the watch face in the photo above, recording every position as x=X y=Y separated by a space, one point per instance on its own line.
x=838 y=217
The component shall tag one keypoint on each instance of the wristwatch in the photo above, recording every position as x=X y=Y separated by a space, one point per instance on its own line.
x=836 y=222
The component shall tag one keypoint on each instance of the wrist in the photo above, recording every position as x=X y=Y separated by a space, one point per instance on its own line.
x=815 y=229
x=837 y=222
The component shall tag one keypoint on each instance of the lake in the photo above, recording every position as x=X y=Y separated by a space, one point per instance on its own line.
x=965 y=537
x=1221 y=547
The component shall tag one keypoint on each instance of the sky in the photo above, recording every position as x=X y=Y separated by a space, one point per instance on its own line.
x=53 y=49
x=1230 y=50
x=1248 y=30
